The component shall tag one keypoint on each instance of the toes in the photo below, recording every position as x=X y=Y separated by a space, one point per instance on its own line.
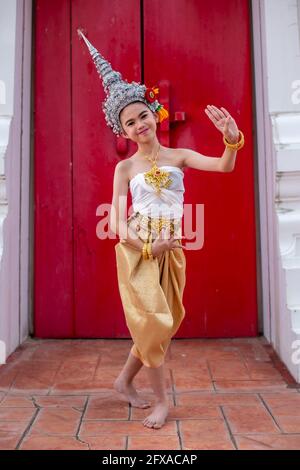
x=158 y=425
x=148 y=422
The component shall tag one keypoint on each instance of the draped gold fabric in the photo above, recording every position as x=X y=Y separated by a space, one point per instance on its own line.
x=151 y=292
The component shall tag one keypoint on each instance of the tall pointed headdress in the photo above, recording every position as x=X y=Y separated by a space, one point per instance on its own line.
x=120 y=93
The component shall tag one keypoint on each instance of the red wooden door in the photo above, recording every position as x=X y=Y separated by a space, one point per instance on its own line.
x=205 y=62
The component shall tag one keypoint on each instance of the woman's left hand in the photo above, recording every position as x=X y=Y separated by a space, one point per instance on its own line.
x=224 y=123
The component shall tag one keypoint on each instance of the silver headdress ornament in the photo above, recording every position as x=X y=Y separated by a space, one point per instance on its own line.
x=120 y=93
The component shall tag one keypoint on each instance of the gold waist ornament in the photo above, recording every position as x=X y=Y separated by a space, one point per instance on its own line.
x=145 y=225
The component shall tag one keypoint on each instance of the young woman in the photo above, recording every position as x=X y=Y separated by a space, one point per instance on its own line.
x=150 y=257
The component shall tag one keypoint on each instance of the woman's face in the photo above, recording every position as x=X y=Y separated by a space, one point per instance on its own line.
x=135 y=118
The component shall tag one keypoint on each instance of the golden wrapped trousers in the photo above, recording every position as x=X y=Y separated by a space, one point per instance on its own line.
x=151 y=292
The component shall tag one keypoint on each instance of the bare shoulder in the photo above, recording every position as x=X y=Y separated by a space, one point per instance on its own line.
x=183 y=154
x=121 y=177
x=122 y=166
x=178 y=157
x=122 y=169
x=174 y=157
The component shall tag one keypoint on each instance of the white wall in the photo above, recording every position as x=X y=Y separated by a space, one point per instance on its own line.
x=279 y=79
x=15 y=77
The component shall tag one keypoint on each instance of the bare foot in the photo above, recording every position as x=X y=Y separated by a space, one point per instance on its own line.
x=131 y=394
x=158 y=417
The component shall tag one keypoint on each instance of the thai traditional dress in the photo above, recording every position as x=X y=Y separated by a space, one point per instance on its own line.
x=152 y=290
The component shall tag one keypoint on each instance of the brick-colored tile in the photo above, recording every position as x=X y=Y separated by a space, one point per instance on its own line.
x=34 y=367
x=182 y=412
x=205 y=434
x=94 y=428
x=82 y=387
x=75 y=371
x=209 y=441
x=192 y=379
x=114 y=357
x=7 y=377
x=223 y=369
x=289 y=424
x=268 y=442
x=206 y=354
x=153 y=443
x=70 y=401
x=252 y=351
x=249 y=419
x=184 y=361
x=262 y=370
x=217 y=399
x=52 y=443
x=17 y=427
x=57 y=352
x=277 y=401
x=9 y=441
x=17 y=401
x=16 y=414
x=33 y=382
x=108 y=406
x=105 y=442
x=198 y=427
x=285 y=408
x=61 y=421
x=50 y=387
x=250 y=385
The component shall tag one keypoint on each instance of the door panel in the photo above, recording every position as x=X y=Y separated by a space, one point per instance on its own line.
x=205 y=53
x=98 y=310
x=53 y=262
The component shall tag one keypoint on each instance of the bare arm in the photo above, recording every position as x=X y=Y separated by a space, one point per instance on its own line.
x=198 y=161
x=118 y=214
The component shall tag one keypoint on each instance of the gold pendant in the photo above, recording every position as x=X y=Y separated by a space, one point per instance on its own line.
x=158 y=178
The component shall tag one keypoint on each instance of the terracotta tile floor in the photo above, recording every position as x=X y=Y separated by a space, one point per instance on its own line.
x=224 y=394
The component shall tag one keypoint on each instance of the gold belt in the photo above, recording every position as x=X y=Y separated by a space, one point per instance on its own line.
x=145 y=225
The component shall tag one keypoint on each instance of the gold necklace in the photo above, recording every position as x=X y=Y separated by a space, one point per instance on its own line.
x=157 y=177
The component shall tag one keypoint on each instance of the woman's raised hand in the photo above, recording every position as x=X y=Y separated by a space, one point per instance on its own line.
x=223 y=122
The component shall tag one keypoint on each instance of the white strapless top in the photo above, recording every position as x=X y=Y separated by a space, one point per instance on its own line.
x=168 y=204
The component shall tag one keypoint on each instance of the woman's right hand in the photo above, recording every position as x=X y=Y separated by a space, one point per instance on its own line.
x=165 y=242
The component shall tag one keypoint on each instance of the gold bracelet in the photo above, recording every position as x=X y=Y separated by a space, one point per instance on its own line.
x=149 y=251
x=144 y=251
x=236 y=146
